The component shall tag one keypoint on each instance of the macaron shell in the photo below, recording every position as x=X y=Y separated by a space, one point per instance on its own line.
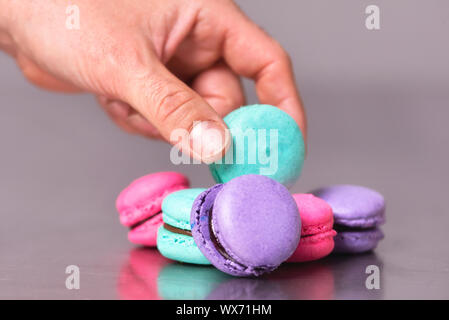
x=177 y=206
x=146 y=233
x=317 y=235
x=255 y=220
x=143 y=197
x=179 y=247
x=354 y=206
x=316 y=214
x=289 y=148
x=314 y=247
x=201 y=233
x=357 y=241
x=176 y=209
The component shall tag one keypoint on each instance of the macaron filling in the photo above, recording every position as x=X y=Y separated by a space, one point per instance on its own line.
x=138 y=224
x=177 y=230
x=318 y=236
x=217 y=243
x=343 y=228
x=317 y=232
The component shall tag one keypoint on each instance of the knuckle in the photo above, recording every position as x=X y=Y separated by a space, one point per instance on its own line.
x=231 y=101
x=287 y=58
x=131 y=58
x=171 y=104
x=277 y=59
x=239 y=100
x=280 y=54
x=120 y=65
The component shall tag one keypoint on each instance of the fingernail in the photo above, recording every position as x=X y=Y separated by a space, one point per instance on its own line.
x=209 y=141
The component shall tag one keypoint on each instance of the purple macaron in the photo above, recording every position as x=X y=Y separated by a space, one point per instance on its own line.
x=358 y=213
x=247 y=226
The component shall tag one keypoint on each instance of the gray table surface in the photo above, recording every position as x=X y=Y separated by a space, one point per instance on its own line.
x=378 y=108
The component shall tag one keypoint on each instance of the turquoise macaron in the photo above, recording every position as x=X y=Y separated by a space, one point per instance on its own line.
x=174 y=237
x=265 y=141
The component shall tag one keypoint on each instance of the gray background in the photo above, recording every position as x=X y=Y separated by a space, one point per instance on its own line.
x=378 y=110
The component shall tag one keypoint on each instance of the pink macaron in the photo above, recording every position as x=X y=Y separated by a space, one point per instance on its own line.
x=139 y=204
x=317 y=235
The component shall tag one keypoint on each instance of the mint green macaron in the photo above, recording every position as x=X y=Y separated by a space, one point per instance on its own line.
x=265 y=141
x=174 y=238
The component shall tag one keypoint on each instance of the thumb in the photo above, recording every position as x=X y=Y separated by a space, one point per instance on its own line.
x=181 y=116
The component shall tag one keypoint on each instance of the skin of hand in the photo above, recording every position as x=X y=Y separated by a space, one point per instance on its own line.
x=155 y=65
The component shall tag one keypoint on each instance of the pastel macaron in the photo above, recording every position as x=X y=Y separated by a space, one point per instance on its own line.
x=247 y=226
x=317 y=235
x=139 y=204
x=265 y=141
x=358 y=213
x=174 y=238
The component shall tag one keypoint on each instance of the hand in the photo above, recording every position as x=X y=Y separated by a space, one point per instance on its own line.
x=156 y=65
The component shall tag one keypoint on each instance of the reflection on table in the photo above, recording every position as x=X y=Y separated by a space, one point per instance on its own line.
x=148 y=275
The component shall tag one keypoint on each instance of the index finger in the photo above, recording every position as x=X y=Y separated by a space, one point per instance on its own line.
x=251 y=53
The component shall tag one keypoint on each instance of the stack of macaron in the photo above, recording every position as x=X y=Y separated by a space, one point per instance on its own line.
x=140 y=204
x=358 y=213
x=249 y=223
